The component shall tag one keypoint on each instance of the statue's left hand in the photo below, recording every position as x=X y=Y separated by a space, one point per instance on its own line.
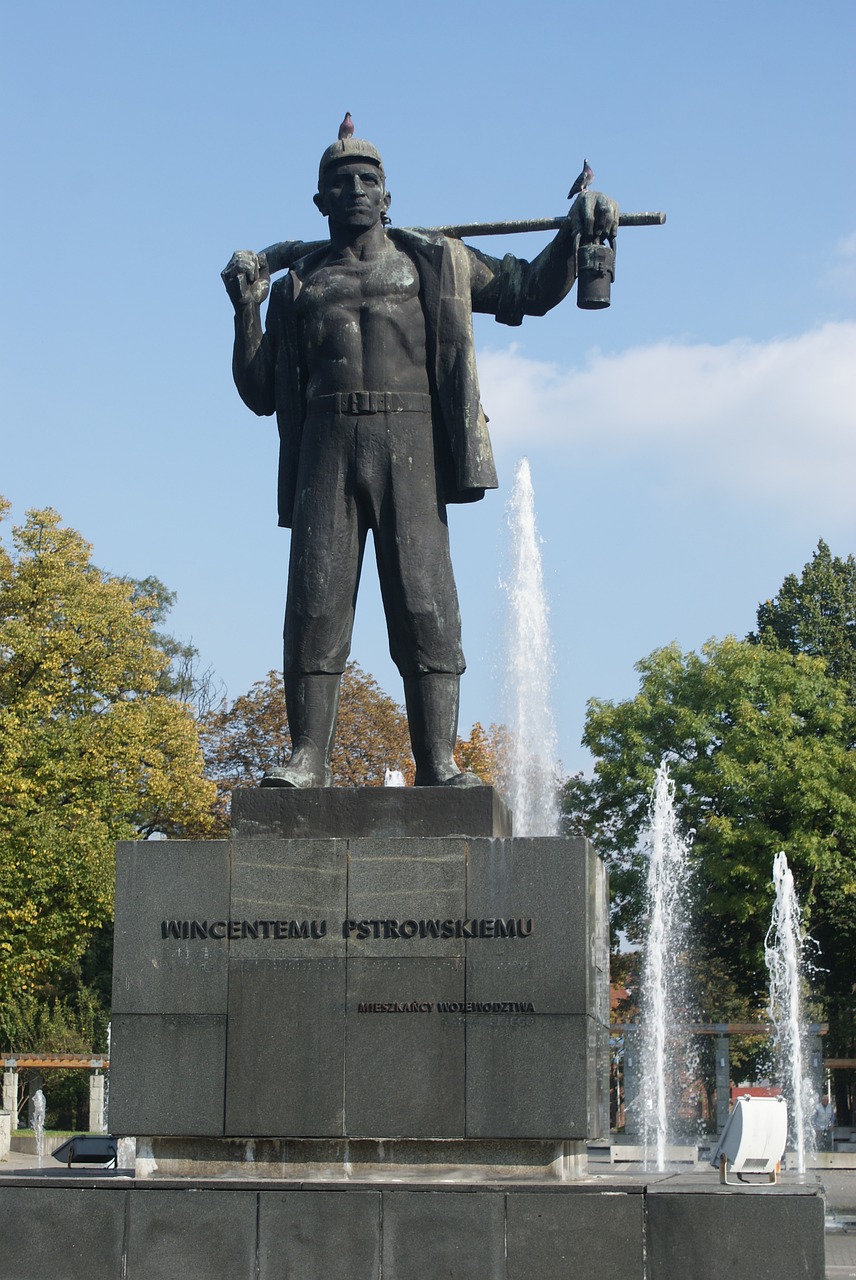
x=594 y=218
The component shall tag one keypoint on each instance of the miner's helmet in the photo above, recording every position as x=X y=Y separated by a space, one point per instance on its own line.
x=349 y=149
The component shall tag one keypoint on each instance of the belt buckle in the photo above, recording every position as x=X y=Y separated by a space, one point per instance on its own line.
x=361 y=402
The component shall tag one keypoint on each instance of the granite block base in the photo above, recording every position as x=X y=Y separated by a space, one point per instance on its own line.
x=99 y=1229
x=450 y=987
x=359 y=812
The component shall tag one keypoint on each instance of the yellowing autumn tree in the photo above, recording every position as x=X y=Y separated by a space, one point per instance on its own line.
x=243 y=741
x=485 y=752
x=90 y=751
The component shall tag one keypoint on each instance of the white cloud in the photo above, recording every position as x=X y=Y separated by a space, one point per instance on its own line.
x=776 y=419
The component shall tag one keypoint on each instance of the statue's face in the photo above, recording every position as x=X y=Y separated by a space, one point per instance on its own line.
x=353 y=194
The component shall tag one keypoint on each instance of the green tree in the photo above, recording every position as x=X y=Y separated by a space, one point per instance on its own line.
x=758 y=744
x=35 y=1024
x=90 y=750
x=815 y=614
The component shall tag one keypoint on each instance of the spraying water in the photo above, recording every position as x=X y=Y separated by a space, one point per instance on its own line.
x=663 y=980
x=784 y=952
x=531 y=782
x=39 y=1124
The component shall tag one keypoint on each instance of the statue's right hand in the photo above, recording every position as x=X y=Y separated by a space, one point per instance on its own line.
x=247 y=278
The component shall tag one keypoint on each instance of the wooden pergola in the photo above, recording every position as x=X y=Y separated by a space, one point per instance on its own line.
x=20 y=1061
x=13 y=1063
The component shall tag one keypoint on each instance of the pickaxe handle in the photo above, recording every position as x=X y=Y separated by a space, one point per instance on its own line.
x=285 y=253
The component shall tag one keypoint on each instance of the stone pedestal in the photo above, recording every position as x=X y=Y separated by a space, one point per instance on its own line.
x=357 y=812
x=92 y=1228
x=368 y=1036
x=449 y=986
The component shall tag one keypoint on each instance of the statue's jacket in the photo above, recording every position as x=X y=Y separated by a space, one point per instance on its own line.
x=276 y=378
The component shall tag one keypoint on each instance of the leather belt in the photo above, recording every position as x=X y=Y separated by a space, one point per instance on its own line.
x=353 y=402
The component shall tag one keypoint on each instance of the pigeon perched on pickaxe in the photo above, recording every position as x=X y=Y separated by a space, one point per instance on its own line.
x=346 y=128
x=582 y=182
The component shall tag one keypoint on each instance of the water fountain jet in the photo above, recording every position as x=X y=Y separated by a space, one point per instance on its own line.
x=39 y=1125
x=531 y=783
x=785 y=956
x=664 y=978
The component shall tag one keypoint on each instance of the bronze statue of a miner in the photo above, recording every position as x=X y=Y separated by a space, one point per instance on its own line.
x=367 y=359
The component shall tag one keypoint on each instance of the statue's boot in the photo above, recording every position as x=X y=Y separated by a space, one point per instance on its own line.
x=313 y=704
x=432 y=714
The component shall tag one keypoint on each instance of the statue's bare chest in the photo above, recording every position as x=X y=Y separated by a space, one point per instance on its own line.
x=363 y=326
x=381 y=286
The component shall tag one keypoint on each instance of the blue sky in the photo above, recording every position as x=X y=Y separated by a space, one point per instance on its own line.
x=688 y=446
